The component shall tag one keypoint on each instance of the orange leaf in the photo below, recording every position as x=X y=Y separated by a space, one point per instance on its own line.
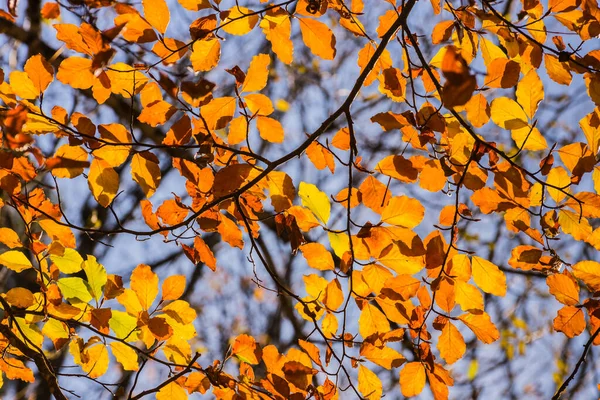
x=205 y=54
x=318 y=38
x=482 y=327
x=146 y=172
x=270 y=129
x=173 y=287
x=412 y=379
x=451 y=344
x=570 y=321
x=157 y=14
x=258 y=73
x=372 y=321
x=103 y=181
x=317 y=256
x=564 y=288
x=40 y=72
x=246 y=349
x=76 y=72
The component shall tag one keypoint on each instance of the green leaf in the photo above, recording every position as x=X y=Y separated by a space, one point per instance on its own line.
x=69 y=263
x=96 y=276
x=75 y=289
x=123 y=325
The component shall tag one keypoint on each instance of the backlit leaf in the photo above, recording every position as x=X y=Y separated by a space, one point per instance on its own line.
x=412 y=379
x=318 y=38
x=315 y=200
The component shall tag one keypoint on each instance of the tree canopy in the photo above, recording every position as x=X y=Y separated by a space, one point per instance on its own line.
x=305 y=199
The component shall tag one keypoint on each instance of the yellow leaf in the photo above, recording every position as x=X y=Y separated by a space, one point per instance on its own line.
x=173 y=287
x=238 y=21
x=412 y=379
x=490 y=51
x=468 y=296
x=588 y=272
x=315 y=200
x=369 y=385
x=372 y=321
x=126 y=80
x=76 y=72
x=69 y=262
x=103 y=182
x=22 y=85
x=218 y=112
x=559 y=178
x=146 y=172
x=317 y=256
x=557 y=71
x=259 y=104
x=172 y=391
x=403 y=211
x=15 y=260
x=246 y=349
x=502 y=73
x=114 y=155
x=95 y=360
x=125 y=355
x=40 y=72
x=564 y=288
x=157 y=14
x=70 y=161
x=19 y=297
x=482 y=327
x=258 y=73
x=318 y=38
x=488 y=276
x=530 y=91
x=529 y=138
x=205 y=54
x=144 y=283
x=508 y=114
x=451 y=344
x=385 y=357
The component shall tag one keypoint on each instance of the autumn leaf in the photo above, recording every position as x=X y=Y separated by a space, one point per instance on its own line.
x=317 y=256
x=246 y=349
x=315 y=200
x=157 y=14
x=403 y=211
x=412 y=379
x=238 y=20
x=488 y=276
x=15 y=260
x=103 y=181
x=369 y=385
x=318 y=38
x=144 y=283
